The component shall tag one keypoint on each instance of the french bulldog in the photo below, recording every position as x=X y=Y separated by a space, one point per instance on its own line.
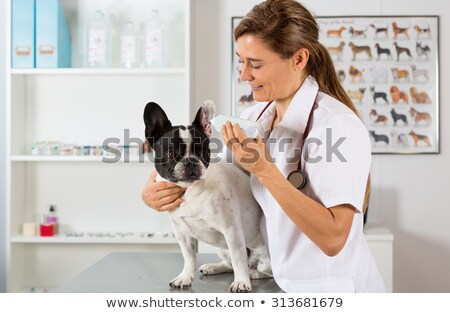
x=218 y=207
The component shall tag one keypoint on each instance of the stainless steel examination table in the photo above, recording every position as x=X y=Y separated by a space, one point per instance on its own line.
x=142 y=272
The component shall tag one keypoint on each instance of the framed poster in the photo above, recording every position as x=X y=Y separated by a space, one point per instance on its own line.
x=389 y=67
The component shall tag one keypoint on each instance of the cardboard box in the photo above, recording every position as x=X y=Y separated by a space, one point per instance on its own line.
x=53 y=42
x=22 y=34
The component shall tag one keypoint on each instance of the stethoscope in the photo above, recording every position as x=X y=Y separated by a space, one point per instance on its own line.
x=297 y=177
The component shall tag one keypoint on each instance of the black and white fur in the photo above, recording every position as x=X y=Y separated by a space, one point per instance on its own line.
x=218 y=206
x=422 y=50
x=381 y=51
x=378 y=94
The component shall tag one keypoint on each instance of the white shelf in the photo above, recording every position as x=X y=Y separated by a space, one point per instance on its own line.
x=70 y=158
x=97 y=71
x=86 y=239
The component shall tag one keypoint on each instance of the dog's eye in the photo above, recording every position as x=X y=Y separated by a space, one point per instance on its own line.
x=170 y=154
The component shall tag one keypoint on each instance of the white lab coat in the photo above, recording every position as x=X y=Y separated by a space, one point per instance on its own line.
x=298 y=264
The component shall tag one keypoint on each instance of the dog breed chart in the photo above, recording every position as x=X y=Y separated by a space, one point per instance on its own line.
x=388 y=66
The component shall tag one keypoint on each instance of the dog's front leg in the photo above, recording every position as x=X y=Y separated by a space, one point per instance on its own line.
x=238 y=255
x=188 y=247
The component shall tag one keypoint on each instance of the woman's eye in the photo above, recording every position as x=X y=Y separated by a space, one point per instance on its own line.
x=255 y=67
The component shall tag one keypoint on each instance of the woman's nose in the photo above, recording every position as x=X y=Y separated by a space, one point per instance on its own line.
x=245 y=73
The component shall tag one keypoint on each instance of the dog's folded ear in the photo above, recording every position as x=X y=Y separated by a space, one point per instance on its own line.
x=156 y=122
x=204 y=116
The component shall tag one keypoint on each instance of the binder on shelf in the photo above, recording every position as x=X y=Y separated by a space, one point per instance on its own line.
x=53 y=42
x=22 y=34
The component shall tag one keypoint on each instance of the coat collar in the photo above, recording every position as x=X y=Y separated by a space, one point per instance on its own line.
x=298 y=111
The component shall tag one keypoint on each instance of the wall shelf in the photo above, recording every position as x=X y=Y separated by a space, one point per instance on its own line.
x=86 y=239
x=68 y=158
x=99 y=71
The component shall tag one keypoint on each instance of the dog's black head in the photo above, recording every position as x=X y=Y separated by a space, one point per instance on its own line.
x=181 y=153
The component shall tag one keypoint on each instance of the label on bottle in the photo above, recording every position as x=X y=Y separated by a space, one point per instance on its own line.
x=97 y=47
x=153 y=47
x=128 y=50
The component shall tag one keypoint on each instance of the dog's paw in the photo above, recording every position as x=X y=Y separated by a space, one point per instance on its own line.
x=240 y=286
x=214 y=268
x=181 y=282
x=255 y=274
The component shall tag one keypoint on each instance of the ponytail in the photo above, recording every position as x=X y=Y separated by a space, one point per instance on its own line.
x=321 y=67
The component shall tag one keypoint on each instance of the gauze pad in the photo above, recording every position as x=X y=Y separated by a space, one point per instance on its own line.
x=250 y=128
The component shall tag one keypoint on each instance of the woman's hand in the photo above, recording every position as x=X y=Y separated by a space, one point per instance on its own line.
x=250 y=153
x=162 y=196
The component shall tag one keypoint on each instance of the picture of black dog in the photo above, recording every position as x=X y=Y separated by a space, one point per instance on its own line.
x=378 y=94
x=379 y=138
x=398 y=116
x=381 y=51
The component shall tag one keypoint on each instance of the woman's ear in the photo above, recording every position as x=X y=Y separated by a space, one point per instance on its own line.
x=301 y=58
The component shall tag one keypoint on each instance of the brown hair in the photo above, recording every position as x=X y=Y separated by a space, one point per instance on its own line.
x=286 y=26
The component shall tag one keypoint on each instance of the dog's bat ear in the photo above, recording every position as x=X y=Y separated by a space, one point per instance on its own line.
x=204 y=116
x=156 y=122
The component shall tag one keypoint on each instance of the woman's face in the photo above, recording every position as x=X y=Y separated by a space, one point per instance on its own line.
x=270 y=76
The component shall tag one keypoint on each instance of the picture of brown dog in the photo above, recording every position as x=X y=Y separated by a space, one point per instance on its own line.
x=341 y=75
x=357 y=94
x=398 y=95
x=336 y=32
x=418 y=138
x=419 y=97
x=399 y=30
x=399 y=74
x=247 y=99
x=378 y=118
x=426 y=31
x=401 y=50
x=337 y=51
x=420 y=116
x=360 y=49
x=357 y=32
x=356 y=75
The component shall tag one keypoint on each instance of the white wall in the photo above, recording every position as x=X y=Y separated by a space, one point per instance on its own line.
x=2 y=155
x=410 y=193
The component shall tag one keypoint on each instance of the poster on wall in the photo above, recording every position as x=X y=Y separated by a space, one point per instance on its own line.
x=389 y=66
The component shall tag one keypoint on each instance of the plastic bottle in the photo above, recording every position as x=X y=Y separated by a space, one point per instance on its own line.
x=53 y=219
x=154 y=40
x=128 y=43
x=98 y=41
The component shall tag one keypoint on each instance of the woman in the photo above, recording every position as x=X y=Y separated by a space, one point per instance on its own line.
x=314 y=235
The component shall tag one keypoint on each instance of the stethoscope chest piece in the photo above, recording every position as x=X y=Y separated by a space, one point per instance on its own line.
x=298 y=179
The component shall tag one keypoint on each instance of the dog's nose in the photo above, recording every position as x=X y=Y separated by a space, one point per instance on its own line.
x=190 y=162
